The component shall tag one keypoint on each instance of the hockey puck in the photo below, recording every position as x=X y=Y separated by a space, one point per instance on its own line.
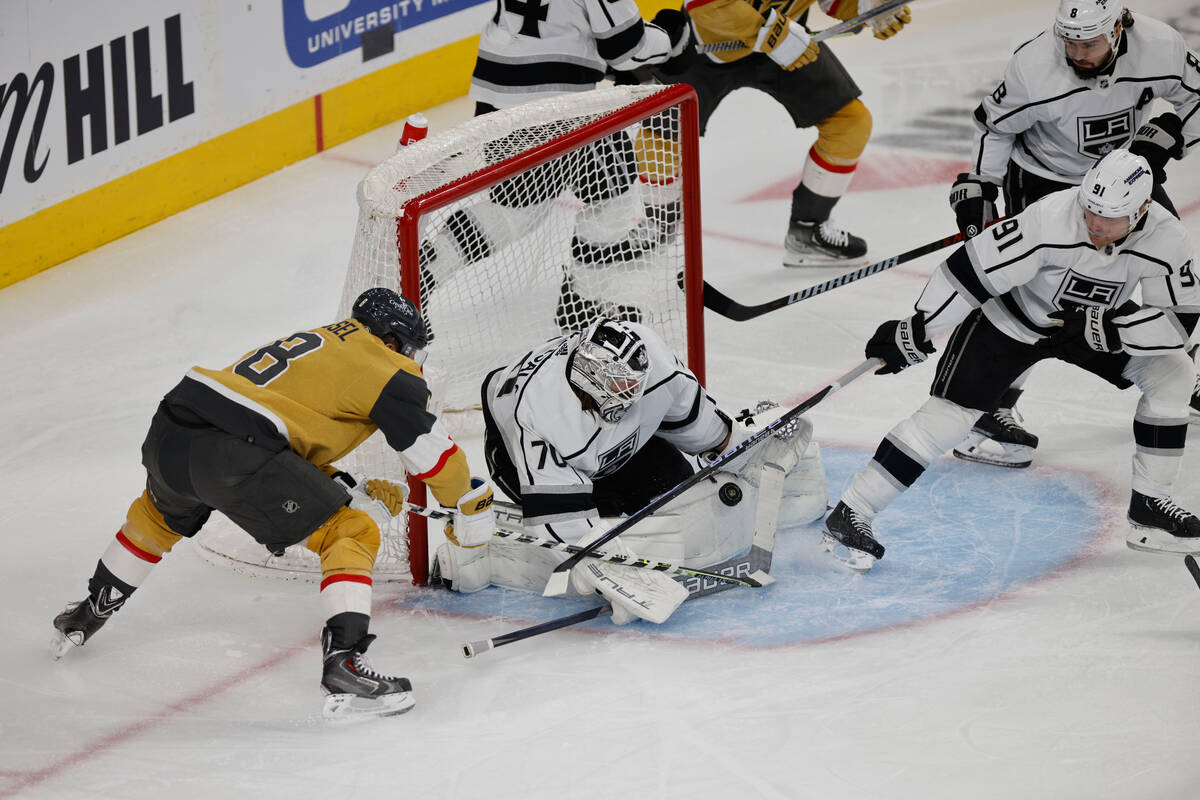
x=730 y=494
x=1193 y=567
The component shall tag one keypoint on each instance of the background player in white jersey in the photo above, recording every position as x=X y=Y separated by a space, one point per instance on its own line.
x=807 y=79
x=1070 y=95
x=597 y=424
x=256 y=441
x=1055 y=281
x=534 y=50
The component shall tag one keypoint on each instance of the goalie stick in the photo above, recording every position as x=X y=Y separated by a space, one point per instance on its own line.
x=755 y=579
x=852 y=25
x=758 y=560
x=558 y=578
x=714 y=300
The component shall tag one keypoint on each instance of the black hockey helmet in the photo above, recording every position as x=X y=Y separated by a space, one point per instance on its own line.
x=386 y=313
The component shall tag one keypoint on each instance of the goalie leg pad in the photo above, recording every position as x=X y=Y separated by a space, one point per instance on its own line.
x=805 y=492
x=466 y=569
x=634 y=593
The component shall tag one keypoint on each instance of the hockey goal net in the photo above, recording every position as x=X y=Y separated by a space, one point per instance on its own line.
x=510 y=229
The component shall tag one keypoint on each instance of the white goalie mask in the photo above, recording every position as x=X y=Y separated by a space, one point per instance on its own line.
x=610 y=365
x=1118 y=185
x=1080 y=20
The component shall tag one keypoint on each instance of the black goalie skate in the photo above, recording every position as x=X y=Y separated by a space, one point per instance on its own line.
x=998 y=439
x=354 y=689
x=1158 y=525
x=848 y=537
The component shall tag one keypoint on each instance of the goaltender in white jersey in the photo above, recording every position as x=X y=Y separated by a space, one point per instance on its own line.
x=1056 y=281
x=596 y=424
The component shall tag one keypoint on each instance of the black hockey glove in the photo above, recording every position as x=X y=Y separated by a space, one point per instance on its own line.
x=1158 y=141
x=899 y=343
x=974 y=203
x=1085 y=331
x=679 y=29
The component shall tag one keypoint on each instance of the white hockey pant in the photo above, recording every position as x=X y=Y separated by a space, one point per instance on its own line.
x=1160 y=420
x=906 y=452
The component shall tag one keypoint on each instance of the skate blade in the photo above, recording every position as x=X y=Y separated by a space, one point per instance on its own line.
x=60 y=645
x=975 y=448
x=794 y=260
x=1154 y=540
x=348 y=707
x=856 y=560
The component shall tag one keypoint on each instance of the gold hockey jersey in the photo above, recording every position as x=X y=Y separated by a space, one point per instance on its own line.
x=322 y=392
x=725 y=20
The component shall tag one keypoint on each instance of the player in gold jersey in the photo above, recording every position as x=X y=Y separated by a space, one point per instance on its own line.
x=256 y=441
x=780 y=59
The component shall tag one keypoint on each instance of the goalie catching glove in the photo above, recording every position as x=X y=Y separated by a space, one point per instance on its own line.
x=475 y=521
x=899 y=343
x=633 y=592
x=785 y=42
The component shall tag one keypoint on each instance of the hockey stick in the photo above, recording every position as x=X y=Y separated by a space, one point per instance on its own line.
x=854 y=24
x=755 y=581
x=757 y=562
x=558 y=578
x=1190 y=562
x=714 y=300
x=472 y=649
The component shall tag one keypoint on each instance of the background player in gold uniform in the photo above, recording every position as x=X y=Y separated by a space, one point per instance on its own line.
x=256 y=441
x=806 y=79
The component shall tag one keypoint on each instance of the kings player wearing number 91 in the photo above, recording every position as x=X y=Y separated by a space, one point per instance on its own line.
x=1055 y=281
x=1088 y=84
x=256 y=441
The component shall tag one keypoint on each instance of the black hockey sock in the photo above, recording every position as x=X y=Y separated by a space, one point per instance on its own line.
x=1009 y=398
x=108 y=592
x=347 y=629
x=808 y=206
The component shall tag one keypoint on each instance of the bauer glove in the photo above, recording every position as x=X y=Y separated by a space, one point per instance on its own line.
x=974 y=202
x=899 y=343
x=1158 y=141
x=888 y=25
x=1085 y=331
x=785 y=42
x=474 y=522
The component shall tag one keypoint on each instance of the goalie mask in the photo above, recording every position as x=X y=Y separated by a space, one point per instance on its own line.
x=385 y=313
x=1117 y=185
x=609 y=365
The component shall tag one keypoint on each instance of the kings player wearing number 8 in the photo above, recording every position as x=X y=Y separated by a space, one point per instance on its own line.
x=1055 y=281
x=256 y=441
x=1071 y=94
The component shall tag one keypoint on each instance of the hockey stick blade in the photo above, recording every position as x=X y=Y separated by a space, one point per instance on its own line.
x=472 y=649
x=1193 y=567
x=729 y=308
x=557 y=584
x=850 y=26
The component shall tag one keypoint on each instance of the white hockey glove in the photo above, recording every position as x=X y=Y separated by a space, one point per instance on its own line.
x=361 y=500
x=888 y=25
x=785 y=42
x=633 y=592
x=475 y=521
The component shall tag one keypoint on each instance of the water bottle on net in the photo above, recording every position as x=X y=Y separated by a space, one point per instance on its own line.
x=415 y=129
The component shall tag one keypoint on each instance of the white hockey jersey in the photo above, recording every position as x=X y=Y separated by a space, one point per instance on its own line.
x=559 y=449
x=1054 y=124
x=532 y=49
x=1025 y=268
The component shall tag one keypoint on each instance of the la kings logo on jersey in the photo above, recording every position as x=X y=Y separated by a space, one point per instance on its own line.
x=1102 y=134
x=1079 y=290
x=612 y=459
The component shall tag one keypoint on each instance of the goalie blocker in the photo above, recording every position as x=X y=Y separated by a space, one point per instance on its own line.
x=712 y=523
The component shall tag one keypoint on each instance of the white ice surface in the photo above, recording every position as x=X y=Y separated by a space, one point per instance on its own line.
x=1080 y=684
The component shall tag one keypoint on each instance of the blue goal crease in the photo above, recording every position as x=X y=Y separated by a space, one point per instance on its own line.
x=960 y=537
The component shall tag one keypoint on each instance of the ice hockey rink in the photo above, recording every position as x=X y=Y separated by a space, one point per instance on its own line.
x=1008 y=646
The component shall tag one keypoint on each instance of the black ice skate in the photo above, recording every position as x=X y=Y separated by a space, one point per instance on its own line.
x=78 y=623
x=822 y=244
x=1157 y=525
x=849 y=539
x=356 y=690
x=998 y=439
